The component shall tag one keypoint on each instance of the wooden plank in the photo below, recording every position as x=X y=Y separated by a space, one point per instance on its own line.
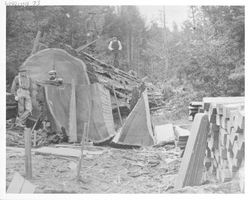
x=218 y=120
x=164 y=133
x=226 y=175
x=223 y=153
x=230 y=107
x=181 y=132
x=197 y=103
x=219 y=106
x=137 y=129
x=218 y=100
x=229 y=144
x=117 y=105
x=223 y=99
x=217 y=156
x=67 y=152
x=28 y=187
x=210 y=143
x=190 y=172
x=72 y=114
x=85 y=128
x=81 y=48
x=28 y=164
x=20 y=185
x=239 y=149
x=223 y=137
x=224 y=122
x=16 y=184
x=95 y=98
x=239 y=121
x=242 y=176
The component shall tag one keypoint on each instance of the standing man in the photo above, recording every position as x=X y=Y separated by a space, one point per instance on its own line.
x=91 y=27
x=115 y=46
x=21 y=88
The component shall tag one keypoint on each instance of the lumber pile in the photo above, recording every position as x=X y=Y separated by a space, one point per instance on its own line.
x=181 y=137
x=226 y=142
x=109 y=76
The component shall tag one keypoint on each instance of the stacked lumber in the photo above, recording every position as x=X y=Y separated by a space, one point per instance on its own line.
x=110 y=77
x=181 y=136
x=194 y=107
x=225 y=145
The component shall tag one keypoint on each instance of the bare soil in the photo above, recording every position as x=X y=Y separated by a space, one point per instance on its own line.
x=145 y=170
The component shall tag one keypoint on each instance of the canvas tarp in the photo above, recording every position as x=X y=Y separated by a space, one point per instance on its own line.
x=137 y=129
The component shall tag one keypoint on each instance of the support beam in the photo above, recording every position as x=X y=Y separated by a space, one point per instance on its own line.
x=85 y=130
x=117 y=105
x=28 y=164
x=72 y=114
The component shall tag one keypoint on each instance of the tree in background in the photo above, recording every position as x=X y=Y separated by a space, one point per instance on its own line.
x=206 y=54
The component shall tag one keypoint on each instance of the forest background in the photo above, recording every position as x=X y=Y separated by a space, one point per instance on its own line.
x=205 y=56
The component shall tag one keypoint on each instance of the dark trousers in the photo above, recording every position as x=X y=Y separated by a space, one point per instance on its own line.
x=116 y=56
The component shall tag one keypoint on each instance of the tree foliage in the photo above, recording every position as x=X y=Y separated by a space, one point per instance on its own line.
x=206 y=54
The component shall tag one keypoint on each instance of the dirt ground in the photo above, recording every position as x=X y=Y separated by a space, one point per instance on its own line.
x=145 y=170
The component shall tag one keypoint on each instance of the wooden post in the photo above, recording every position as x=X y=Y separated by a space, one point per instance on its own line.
x=72 y=114
x=27 y=141
x=34 y=131
x=34 y=140
x=85 y=130
x=118 y=109
x=89 y=119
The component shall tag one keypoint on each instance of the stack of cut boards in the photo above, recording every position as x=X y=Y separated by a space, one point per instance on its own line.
x=225 y=145
x=194 y=107
x=181 y=136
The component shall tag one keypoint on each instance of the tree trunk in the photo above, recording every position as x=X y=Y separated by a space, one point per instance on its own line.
x=36 y=42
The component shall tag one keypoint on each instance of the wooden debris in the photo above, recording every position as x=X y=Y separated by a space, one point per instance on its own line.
x=58 y=152
x=181 y=136
x=20 y=185
x=65 y=152
x=190 y=173
x=164 y=133
x=137 y=129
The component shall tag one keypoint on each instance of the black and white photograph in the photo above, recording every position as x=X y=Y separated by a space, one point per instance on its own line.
x=123 y=99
